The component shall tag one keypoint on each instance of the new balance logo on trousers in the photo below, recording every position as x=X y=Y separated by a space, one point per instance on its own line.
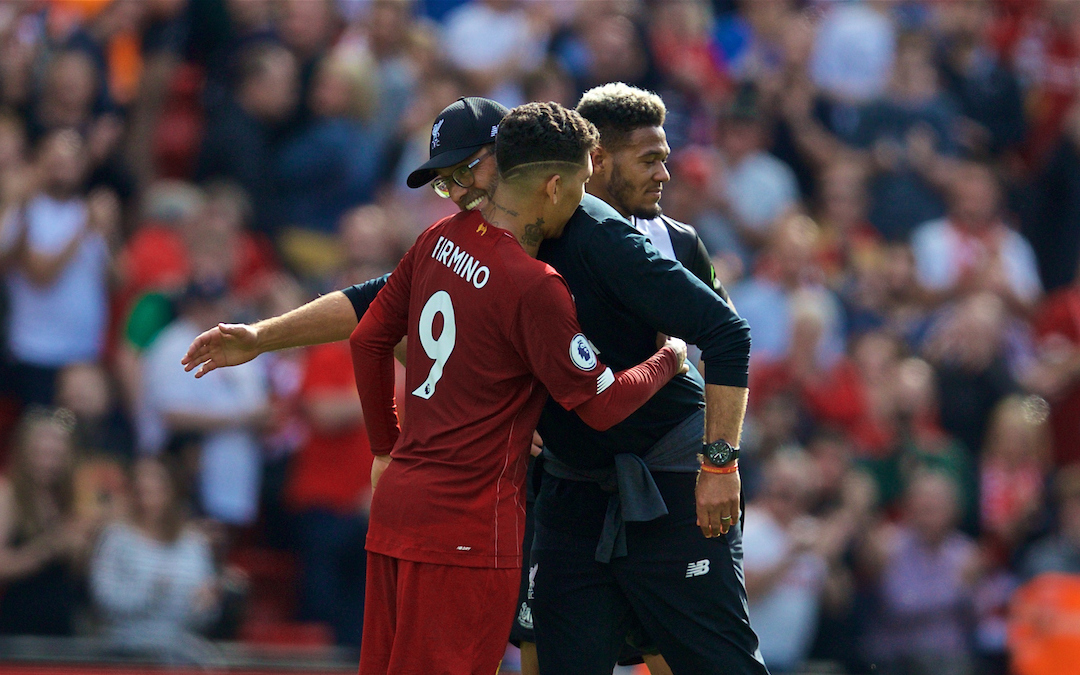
x=697 y=569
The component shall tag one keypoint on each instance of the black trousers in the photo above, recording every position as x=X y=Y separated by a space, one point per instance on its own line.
x=686 y=591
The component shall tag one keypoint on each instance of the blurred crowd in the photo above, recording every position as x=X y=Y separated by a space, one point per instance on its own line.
x=890 y=190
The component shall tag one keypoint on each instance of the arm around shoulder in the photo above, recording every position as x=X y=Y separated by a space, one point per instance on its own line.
x=646 y=282
x=631 y=388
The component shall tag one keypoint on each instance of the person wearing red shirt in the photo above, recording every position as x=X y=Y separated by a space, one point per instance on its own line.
x=493 y=333
x=1056 y=326
x=328 y=490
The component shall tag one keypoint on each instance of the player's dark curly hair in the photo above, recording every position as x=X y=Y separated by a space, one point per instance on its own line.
x=617 y=110
x=543 y=132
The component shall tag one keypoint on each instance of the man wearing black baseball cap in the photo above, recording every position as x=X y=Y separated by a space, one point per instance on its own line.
x=463 y=128
x=461 y=167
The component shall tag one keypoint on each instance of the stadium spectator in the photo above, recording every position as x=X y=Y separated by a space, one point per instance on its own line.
x=785 y=267
x=222 y=415
x=329 y=491
x=925 y=572
x=188 y=232
x=152 y=576
x=785 y=566
x=1059 y=550
x=42 y=539
x=968 y=346
x=1013 y=475
x=70 y=90
x=87 y=390
x=402 y=53
x=606 y=46
x=308 y=28
x=880 y=291
x=751 y=40
x=904 y=131
x=923 y=443
x=846 y=508
x=972 y=250
x=847 y=238
x=750 y=187
x=495 y=42
x=241 y=135
x=1057 y=371
x=1045 y=44
x=153 y=257
x=59 y=286
x=1051 y=216
x=830 y=390
x=369 y=243
x=987 y=91
x=854 y=51
x=331 y=164
x=686 y=53
x=549 y=82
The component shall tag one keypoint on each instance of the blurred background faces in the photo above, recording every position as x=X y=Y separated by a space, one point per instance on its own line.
x=889 y=189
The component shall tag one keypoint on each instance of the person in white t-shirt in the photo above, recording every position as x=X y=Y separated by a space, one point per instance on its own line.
x=853 y=52
x=750 y=187
x=58 y=286
x=973 y=250
x=785 y=574
x=222 y=414
x=494 y=42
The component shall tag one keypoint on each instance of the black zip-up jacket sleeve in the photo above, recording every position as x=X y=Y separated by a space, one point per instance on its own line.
x=361 y=295
x=670 y=298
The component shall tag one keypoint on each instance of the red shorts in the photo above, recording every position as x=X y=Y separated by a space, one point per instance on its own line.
x=426 y=619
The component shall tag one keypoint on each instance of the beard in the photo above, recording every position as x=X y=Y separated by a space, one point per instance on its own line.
x=623 y=192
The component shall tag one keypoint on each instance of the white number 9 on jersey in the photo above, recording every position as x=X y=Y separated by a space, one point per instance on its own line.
x=439 y=349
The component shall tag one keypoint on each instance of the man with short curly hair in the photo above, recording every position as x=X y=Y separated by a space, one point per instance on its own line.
x=603 y=563
x=631 y=172
x=617 y=110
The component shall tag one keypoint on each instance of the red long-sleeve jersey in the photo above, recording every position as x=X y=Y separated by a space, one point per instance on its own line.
x=492 y=332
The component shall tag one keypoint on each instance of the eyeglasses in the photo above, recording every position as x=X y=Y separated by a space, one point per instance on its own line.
x=463 y=176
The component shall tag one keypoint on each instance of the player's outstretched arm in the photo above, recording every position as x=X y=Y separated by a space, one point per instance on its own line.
x=633 y=387
x=326 y=319
x=226 y=344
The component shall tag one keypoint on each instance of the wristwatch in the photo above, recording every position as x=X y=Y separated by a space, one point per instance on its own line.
x=719 y=453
